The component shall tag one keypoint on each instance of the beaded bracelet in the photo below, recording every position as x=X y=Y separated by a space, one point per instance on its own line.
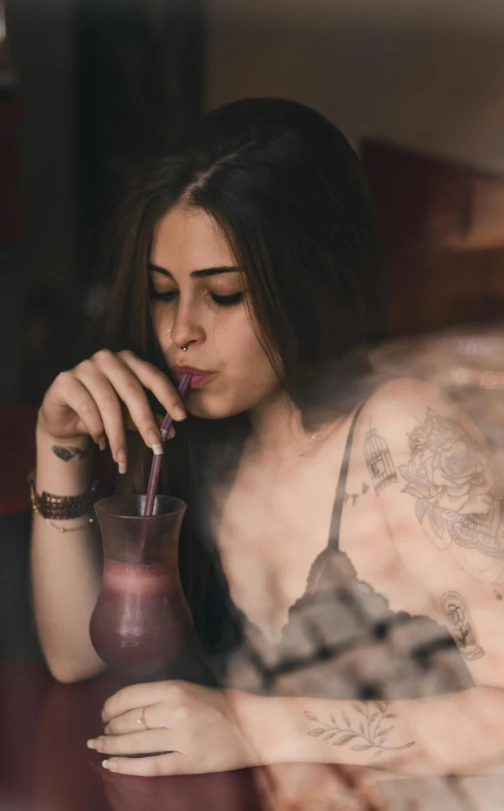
x=62 y=508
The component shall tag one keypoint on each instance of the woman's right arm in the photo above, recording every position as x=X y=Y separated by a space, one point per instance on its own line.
x=85 y=406
x=65 y=566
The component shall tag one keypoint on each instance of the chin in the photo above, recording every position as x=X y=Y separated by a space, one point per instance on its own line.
x=212 y=408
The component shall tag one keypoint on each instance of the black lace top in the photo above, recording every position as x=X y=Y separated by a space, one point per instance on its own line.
x=341 y=639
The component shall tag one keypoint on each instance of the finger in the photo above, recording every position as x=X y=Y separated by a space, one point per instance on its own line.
x=130 y=425
x=74 y=395
x=130 y=390
x=133 y=720
x=153 y=379
x=155 y=766
x=134 y=743
x=109 y=407
x=136 y=697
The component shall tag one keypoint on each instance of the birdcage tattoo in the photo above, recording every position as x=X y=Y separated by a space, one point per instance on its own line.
x=379 y=461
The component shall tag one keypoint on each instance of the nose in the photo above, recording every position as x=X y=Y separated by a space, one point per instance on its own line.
x=187 y=328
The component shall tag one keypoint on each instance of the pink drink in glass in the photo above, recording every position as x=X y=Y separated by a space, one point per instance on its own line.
x=141 y=623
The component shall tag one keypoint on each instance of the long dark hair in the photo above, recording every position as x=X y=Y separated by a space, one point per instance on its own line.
x=288 y=192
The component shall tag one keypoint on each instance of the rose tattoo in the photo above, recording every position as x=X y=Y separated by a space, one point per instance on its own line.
x=448 y=475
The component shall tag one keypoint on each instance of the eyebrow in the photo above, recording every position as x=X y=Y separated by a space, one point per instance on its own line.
x=198 y=274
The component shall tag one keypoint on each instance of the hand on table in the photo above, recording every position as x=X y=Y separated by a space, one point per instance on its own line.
x=190 y=726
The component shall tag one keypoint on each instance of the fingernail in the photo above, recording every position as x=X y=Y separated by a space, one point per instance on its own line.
x=157 y=449
x=110 y=764
x=121 y=461
x=153 y=438
x=92 y=744
x=103 y=445
x=179 y=413
x=171 y=433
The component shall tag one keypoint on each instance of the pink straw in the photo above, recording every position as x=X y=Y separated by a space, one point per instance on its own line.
x=156 y=462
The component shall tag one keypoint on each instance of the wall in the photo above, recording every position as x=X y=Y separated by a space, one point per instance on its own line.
x=423 y=74
x=43 y=50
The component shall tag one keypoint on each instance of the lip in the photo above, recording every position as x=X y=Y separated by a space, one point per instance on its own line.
x=198 y=376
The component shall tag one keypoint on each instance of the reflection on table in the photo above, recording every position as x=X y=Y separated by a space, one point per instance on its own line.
x=45 y=765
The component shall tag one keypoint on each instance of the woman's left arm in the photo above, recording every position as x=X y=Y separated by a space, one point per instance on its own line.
x=199 y=729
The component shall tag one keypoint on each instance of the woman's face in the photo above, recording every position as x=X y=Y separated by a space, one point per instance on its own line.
x=199 y=301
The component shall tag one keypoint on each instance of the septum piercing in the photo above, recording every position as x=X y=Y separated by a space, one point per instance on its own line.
x=183 y=348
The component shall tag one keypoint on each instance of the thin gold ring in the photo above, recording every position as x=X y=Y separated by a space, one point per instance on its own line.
x=142 y=720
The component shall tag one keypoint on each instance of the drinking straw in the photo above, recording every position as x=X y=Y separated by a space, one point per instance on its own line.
x=156 y=462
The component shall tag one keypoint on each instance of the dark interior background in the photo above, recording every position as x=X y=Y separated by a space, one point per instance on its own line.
x=88 y=88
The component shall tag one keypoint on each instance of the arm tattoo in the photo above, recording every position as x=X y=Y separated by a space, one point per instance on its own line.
x=379 y=461
x=368 y=732
x=460 y=625
x=67 y=454
x=454 y=491
x=355 y=496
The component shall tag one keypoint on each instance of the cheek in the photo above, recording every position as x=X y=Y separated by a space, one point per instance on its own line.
x=249 y=366
x=240 y=344
x=162 y=324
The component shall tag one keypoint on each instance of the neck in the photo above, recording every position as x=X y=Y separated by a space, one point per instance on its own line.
x=278 y=431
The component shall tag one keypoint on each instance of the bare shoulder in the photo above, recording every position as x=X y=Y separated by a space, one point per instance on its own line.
x=407 y=398
x=399 y=408
x=412 y=433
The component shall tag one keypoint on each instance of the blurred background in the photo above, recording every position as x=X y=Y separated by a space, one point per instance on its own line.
x=88 y=88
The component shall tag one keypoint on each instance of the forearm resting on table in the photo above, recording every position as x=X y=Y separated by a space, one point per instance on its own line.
x=64 y=572
x=456 y=733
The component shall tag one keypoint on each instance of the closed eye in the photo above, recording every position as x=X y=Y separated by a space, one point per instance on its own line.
x=167 y=295
x=227 y=301
x=221 y=301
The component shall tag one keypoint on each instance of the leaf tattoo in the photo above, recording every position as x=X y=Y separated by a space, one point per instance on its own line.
x=364 y=736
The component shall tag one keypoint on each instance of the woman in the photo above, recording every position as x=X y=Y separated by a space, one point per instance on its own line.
x=342 y=553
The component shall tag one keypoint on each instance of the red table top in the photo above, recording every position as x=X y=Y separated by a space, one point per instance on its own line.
x=45 y=765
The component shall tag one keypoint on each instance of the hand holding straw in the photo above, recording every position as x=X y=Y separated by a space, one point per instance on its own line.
x=156 y=462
